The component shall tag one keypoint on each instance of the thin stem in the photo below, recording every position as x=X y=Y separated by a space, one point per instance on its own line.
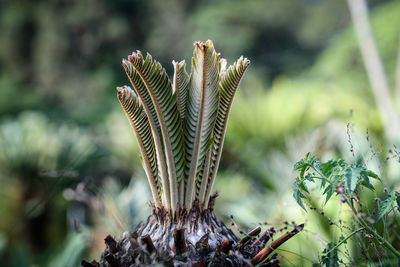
x=321 y=178
x=345 y=239
x=371 y=231
x=397 y=221
x=296 y=254
x=320 y=173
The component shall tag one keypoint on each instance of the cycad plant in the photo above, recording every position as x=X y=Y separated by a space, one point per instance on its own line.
x=180 y=128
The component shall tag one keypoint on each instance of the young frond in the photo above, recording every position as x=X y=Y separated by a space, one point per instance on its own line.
x=185 y=121
x=201 y=110
x=140 y=124
x=148 y=107
x=181 y=85
x=164 y=100
x=180 y=127
x=227 y=88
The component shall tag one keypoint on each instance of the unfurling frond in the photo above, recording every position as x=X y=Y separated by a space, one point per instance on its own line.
x=201 y=110
x=140 y=124
x=181 y=85
x=149 y=108
x=159 y=88
x=182 y=125
x=229 y=83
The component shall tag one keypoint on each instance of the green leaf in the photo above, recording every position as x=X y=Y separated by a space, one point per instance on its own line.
x=164 y=100
x=302 y=165
x=228 y=85
x=140 y=90
x=329 y=256
x=353 y=176
x=398 y=200
x=309 y=177
x=141 y=127
x=365 y=182
x=329 y=190
x=327 y=168
x=303 y=187
x=201 y=111
x=386 y=206
x=181 y=85
x=148 y=106
x=297 y=194
x=373 y=175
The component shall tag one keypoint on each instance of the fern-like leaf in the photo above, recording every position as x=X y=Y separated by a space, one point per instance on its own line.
x=141 y=127
x=164 y=100
x=148 y=107
x=187 y=121
x=230 y=80
x=202 y=181
x=201 y=110
x=181 y=85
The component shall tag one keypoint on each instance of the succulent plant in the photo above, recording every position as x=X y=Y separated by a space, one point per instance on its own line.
x=180 y=127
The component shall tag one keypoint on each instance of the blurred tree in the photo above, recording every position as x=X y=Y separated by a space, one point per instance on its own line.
x=282 y=37
x=53 y=50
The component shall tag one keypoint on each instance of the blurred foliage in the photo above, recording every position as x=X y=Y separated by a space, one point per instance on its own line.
x=67 y=154
x=354 y=184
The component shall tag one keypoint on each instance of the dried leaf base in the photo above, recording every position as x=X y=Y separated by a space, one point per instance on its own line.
x=194 y=238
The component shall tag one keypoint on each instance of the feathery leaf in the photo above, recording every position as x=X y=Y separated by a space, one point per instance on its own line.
x=164 y=100
x=141 y=127
x=230 y=80
x=201 y=110
x=181 y=85
x=148 y=107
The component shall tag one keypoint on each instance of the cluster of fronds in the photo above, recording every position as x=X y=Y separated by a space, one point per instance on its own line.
x=180 y=125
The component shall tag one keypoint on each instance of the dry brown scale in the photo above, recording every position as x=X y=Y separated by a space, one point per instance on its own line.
x=205 y=242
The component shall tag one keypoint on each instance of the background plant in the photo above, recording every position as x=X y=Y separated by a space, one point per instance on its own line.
x=374 y=223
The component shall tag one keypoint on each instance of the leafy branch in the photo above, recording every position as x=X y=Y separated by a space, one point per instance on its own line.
x=344 y=179
x=335 y=175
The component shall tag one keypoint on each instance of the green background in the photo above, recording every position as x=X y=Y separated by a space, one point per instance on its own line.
x=70 y=171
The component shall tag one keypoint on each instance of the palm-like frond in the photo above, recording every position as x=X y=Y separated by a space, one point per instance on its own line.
x=140 y=90
x=202 y=103
x=181 y=85
x=184 y=122
x=229 y=83
x=203 y=180
x=164 y=100
x=140 y=124
x=148 y=107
